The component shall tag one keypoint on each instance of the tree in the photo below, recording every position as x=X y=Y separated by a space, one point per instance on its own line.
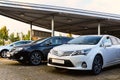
x=17 y=38
x=12 y=37
x=27 y=36
x=4 y=33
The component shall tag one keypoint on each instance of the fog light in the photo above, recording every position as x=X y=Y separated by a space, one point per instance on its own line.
x=84 y=65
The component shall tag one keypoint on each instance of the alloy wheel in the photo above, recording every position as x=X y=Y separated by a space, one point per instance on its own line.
x=97 y=65
x=35 y=58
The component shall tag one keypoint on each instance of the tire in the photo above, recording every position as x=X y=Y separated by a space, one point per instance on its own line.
x=97 y=65
x=35 y=58
x=3 y=53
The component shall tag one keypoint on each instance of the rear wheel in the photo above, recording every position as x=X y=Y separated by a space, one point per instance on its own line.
x=35 y=58
x=3 y=53
x=97 y=65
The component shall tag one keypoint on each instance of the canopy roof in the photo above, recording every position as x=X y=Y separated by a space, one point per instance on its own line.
x=69 y=20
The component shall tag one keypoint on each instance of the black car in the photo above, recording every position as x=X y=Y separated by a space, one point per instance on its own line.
x=37 y=51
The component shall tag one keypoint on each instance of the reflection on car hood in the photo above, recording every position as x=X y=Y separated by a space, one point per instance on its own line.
x=26 y=45
x=5 y=47
x=73 y=47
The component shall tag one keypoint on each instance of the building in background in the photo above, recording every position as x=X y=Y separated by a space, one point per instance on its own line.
x=36 y=34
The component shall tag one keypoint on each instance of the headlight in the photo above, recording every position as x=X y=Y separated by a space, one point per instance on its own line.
x=51 y=51
x=81 y=52
x=19 y=49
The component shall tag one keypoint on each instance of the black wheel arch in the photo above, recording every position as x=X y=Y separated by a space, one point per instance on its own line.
x=4 y=50
x=101 y=57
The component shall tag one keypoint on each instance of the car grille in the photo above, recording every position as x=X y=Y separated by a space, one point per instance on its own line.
x=67 y=63
x=58 y=53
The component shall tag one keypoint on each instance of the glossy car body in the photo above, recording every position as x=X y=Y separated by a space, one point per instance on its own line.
x=91 y=52
x=6 y=48
x=37 y=51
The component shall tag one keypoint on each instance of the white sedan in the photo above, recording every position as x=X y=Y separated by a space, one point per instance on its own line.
x=90 y=52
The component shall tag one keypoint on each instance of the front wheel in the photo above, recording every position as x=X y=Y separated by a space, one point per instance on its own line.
x=97 y=65
x=3 y=53
x=35 y=58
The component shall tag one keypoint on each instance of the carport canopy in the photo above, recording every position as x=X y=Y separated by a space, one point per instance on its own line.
x=68 y=20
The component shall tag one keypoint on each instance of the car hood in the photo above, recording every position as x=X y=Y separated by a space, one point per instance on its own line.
x=4 y=47
x=26 y=45
x=73 y=47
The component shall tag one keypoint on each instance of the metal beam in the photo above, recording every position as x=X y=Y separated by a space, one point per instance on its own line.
x=52 y=26
x=31 y=31
x=99 y=29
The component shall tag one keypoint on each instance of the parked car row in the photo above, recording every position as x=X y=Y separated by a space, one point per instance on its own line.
x=37 y=51
x=90 y=52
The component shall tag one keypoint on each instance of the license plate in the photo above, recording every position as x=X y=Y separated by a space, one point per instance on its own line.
x=58 y=61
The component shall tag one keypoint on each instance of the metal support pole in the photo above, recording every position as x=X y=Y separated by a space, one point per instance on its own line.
x=98 y=29
x=52 y=26
x=31 y=31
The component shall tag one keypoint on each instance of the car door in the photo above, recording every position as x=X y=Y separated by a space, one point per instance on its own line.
x=49 y=44
x=118 y=46
x=109 y=52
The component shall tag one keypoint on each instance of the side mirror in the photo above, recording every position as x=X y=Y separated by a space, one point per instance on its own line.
x=107 y=44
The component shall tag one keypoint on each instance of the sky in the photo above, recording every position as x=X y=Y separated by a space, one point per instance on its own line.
x=108 y=6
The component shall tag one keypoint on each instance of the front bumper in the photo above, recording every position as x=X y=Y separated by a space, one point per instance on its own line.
x=70 y=62
x=18 y=55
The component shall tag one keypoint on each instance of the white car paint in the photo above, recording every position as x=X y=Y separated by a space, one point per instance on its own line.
x=109 y=53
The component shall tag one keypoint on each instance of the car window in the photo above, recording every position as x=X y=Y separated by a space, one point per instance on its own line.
x=118 y=40
x=86 y=40
x=18 y=43
x=65 y=40
x=55 y=41
x=40 y=40
x=114 y=41
x=107 y=40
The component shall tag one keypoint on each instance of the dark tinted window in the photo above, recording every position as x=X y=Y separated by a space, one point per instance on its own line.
x=21 y=42
x=118 y=40
x=114 y=40
x=88 y=40
x=40 y=40
x=55 y=41
x=65 y=40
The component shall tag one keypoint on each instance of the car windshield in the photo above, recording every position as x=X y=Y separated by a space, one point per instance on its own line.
x=20 y=43
x=87 y=40
x=40 y=40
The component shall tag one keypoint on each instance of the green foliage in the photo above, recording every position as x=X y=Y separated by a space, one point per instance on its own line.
x=12 y=37
x=17 y=38
x=27 y=36
x=1 y=42
x=3 y=34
